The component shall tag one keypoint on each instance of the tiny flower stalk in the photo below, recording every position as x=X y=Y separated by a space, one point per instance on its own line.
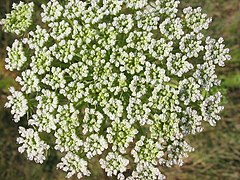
x=120 y=82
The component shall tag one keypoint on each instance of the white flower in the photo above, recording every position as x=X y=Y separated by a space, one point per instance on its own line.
x=160 y=99
x=60 y=30
x=147 y=150
x=146 y=171
x=16 y=58
x=191 y=124
x=29 y=82
x=68 y=116
x=92 y=121
x=123 y=23
x=113 y=109
x=121 y=134
x=73 y=164
x=48 y=101
x=41 y=61
x=206 y=76
x=211 y=108
x=37 y=39
x=64 y=51
x=74 y=9
x=136 y=4
x=20 y=18
x=195 y=19
x=32 y=144
x=166 y=126
x=189 y=91
x=52 y=11
x=216 y=52
x=125 y=80
x=78 y=71
x=67 y=140
x=114 y=163
x=18 y=104
x=171 y=28
x=56 y=79
x=44 y=121
x=94 y=145
x=137 y=111
x=176 y=152
x=167 y=7
x=191 y=45
x=178 y=64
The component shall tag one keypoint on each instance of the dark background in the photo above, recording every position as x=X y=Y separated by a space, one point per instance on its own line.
x=217 y=154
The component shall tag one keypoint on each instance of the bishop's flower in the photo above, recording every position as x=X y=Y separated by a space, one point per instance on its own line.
x=116 y=84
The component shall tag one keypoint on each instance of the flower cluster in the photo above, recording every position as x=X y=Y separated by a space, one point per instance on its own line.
x=114 y=164
x=32 y=144
x=119 y=82
x=72 y=164
x=20 y=18
x=18 y=104
x=16 y=58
